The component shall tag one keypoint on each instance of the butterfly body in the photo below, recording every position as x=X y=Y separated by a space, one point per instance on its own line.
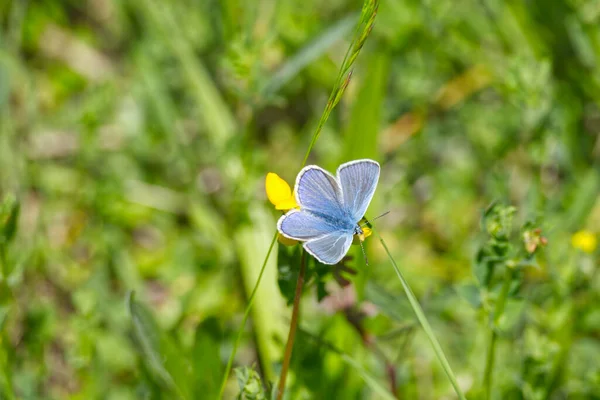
x=330 y=208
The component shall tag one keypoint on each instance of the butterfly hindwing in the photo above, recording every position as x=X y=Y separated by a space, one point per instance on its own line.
x=330 y=248
x=358 y=180
x=303 y=225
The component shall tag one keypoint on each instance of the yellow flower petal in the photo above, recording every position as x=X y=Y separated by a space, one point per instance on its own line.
x=287 y=204
x=277 y=189
x=585 y=241
x=367 y=232
x=279 y=192
x=286 y=241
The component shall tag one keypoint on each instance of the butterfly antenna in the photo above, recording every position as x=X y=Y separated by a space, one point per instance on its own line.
x=364 y=253
x=377 y=217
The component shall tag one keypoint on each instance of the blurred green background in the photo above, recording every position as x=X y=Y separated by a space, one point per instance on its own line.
x=135 y=137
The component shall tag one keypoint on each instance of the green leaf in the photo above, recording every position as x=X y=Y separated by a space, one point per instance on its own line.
x=288 y=266
x=470 y=293
x=206 y=359
x=513 y=312
x=251 y=387
x=584 y=198
x=168 y=369
x=10 y=216
x=483 y=268
x=312 y=51
x=394 y=306
x=365 y=116
x=252 y=243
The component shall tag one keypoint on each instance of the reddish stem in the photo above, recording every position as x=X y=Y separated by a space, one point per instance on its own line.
x=293 y=325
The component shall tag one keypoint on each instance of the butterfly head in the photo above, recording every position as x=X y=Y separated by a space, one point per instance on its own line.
x=358 y=232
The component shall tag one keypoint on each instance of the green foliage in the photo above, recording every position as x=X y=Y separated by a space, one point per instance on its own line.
x=9 y=215
x=251 y=387
x=317 y=274
x=134 y=142
x=166 y=367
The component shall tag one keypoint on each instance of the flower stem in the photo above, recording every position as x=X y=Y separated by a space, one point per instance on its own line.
x=246 y=314
x=489 y=364
x=3 y=264
x=425 y=324
x=293 y=325
x=491 y=353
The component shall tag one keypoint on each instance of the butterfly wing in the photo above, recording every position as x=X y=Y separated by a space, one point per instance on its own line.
x=326 y=241
x=358 y=180
x=304 y=225
x=330 y=208
x=318 y=191
x=330 y=248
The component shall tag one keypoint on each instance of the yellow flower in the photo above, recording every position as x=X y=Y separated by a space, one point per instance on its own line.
x=585 y=241
x=279 y=192
x=360 y=238
x=286 y=241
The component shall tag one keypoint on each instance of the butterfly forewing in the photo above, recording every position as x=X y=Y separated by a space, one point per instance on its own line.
x=358 y=180
x=319 y=192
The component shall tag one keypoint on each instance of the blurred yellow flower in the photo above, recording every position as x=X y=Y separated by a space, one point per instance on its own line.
x=286 y=241
x=279 y=192
x=585 y=241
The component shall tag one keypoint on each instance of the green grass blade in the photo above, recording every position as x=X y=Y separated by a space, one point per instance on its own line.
x=424 y=323
x=312 y=51
x=167 y=367
x=219 y=121
x=245 y=319
x=353 y=363
x=364 y=27
x=251 y=242
x=361 y=135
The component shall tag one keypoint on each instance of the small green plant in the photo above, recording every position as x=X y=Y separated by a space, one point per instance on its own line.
x=251 y=387
x=499 y=269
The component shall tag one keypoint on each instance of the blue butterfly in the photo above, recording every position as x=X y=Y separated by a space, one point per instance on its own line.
x=330 y=208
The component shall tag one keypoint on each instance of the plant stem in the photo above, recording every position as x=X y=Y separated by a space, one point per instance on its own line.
x=3 y=264
x=246 y=314
x=293 y=325
x=489 y=364
x=491 y=353
x=425 y=324
x=363 y=29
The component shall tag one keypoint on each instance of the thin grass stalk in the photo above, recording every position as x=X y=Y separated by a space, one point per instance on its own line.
x=424 y=323
x=363 y=29
x=245 y=319
x=491 y=352
x=289 y=346
x=3 y=264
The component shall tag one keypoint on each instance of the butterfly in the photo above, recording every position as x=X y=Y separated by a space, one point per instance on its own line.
x=330 y=208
